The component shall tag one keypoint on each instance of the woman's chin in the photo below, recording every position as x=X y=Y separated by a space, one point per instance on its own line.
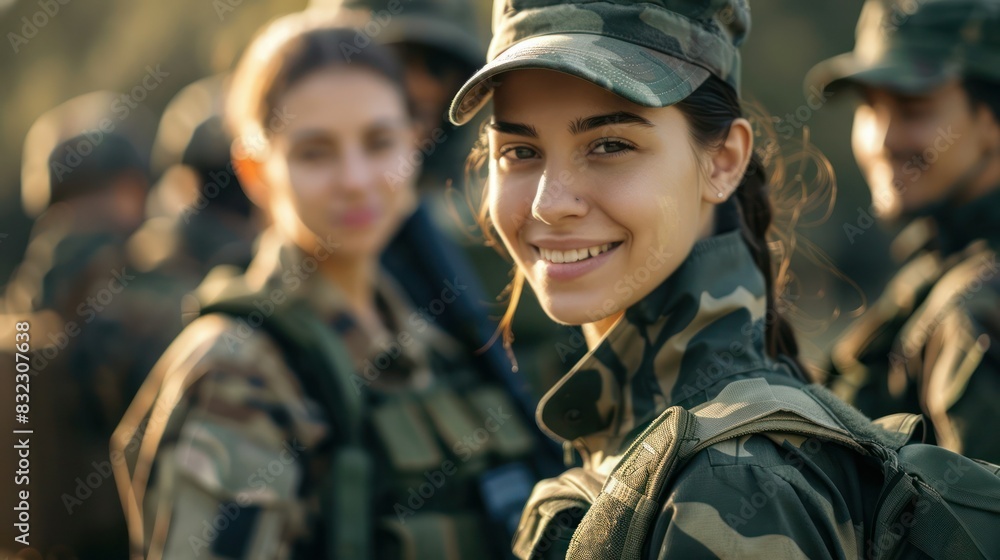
x=576 y=310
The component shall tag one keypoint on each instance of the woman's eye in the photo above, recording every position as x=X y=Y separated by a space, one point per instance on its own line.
x=381 y=144
x=612 y=147
x=313 y=153
x=518 y=153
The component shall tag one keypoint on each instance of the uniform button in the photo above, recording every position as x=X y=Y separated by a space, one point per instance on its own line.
x=572 y=415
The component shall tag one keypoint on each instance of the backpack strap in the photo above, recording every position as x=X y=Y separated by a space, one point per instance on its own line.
x=553 y=512
x=629 y=500
x=322 y=364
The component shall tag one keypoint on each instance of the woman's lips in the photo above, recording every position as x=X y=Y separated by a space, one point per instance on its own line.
x=571 y=271
x=359 y=218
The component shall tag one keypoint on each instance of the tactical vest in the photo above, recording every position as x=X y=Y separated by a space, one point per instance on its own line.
x=943 y=517
x=445 y=455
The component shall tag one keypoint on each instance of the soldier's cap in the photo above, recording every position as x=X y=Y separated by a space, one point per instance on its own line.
x=81 y=143
x=452 y=26
x=652 y=53
x=178 y=130
x=914 y=46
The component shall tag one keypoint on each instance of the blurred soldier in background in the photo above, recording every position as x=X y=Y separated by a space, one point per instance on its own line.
x=441 y=43
x=316 y=409
x=927 y=138
x=96 y=324
x=199 y=216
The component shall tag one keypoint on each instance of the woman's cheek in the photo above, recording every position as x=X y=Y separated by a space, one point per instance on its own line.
x=507 y=212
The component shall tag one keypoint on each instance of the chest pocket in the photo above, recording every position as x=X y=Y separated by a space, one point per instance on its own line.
x=441 y=449
x=461 y=435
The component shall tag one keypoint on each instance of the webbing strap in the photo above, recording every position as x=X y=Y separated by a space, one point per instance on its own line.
x=616 y=524
x=553 y=511
x=752 y=406
x=323 y=364
x=347 y=503
x=938 y=532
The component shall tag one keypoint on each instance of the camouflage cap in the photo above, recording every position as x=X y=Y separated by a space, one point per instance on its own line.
x=453 y=26
x=653 y=53
x=913 y=46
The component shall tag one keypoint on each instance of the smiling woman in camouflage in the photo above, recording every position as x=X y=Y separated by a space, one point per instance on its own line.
x=623 y=182
x=314 y=410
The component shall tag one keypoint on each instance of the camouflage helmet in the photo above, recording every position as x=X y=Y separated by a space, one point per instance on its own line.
x=653 y=53
x=453 y=26
x=81 y=143
x=913 y=46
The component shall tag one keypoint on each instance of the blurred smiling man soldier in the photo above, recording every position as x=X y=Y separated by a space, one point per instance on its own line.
x=926 y=137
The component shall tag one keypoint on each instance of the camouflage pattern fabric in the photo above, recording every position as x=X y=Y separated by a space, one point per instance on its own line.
x=928 y=345
x=766 y=495
x=230 y=451
x=651 y=53
x=914 y=46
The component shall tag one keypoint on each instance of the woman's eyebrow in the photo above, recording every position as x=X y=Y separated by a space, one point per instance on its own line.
x=620 y=117
x=513 y=128
x=309 y=135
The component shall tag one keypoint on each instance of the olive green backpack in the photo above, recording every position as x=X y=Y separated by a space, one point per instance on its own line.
x=946 y=516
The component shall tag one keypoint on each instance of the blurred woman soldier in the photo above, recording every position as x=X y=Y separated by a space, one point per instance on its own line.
x=623 y=182
x=312 y=411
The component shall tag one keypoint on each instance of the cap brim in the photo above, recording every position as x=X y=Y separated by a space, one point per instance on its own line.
x=903 y=74
x=641 y=75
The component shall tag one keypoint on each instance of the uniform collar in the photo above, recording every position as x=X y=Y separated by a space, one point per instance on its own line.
x=701 y=325
x=282 y=271
x=959 y=226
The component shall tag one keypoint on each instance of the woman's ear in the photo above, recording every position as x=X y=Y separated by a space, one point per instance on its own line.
x=249 y=168
x=729 y=163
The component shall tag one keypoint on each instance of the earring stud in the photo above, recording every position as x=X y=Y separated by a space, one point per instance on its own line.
x=719 y=194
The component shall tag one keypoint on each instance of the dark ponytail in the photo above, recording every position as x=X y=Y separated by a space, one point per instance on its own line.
x=710 y=111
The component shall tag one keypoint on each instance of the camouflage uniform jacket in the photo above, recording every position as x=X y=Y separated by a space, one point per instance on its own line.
x=770 y=495
x=232 y=453
x=929 y=343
